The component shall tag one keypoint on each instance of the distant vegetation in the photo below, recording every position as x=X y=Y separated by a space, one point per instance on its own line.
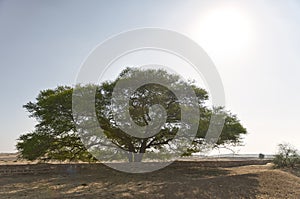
x=287 y=156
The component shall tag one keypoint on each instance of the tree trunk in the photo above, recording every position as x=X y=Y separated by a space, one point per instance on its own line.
x=134 y=157
x=138 y=157
x=130 y=156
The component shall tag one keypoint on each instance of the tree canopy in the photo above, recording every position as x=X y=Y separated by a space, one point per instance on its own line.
x=57 y=136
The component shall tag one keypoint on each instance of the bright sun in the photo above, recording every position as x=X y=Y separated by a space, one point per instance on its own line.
x=224 y=30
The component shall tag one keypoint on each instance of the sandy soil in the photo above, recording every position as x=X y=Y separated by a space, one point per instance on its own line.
x=179 y=180
x=8 y=158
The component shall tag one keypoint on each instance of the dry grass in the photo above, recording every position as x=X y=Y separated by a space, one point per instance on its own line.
x=179 y=180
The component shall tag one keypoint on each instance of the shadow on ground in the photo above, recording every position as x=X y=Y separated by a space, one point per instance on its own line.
x=179 y=180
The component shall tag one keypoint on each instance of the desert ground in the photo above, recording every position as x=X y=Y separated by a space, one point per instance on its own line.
x=181 y=179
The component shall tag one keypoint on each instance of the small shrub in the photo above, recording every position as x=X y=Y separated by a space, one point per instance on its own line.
x=287 y=156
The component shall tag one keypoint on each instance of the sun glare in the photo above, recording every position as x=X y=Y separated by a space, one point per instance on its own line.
x=224 y=30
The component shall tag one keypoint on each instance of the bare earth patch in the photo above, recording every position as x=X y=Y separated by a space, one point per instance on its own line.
x=179 y=180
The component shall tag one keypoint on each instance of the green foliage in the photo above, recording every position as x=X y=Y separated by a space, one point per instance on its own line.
x=34 y=145
x=56 y=137
x=287 y=156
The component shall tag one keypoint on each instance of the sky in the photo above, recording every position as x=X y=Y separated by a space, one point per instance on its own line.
x=254 y=44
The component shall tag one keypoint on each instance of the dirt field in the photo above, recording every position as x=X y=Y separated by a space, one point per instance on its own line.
x=179 y=180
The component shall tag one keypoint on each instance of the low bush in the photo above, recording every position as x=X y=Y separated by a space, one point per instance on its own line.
x=287 y=156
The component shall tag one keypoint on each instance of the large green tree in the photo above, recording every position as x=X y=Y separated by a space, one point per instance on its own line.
x=56 y=135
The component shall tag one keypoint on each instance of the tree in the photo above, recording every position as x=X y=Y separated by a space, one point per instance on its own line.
x=56 y=135
x=287 y=156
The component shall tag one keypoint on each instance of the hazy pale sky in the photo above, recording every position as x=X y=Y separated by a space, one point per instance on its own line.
x=255 y=46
